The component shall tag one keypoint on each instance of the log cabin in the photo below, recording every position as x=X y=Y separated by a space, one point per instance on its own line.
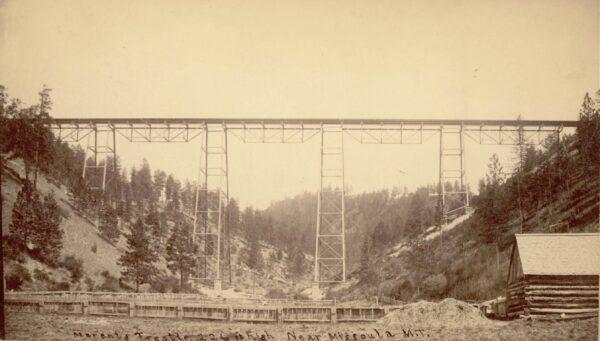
x=554 y=274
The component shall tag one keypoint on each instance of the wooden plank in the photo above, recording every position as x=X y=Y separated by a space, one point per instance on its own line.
x=563 y=311
x=561 y=299
x=551 y=317
x=575 y=287
x=515 y=293
x=514 y=314
x=515 y=308
x=563 y=292
x=562 y=305
x=517 y=284
x=548 y=281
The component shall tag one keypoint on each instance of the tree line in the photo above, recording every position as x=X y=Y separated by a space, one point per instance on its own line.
x=150 y=210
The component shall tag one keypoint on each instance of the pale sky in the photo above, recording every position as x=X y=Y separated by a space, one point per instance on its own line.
x=405 y=59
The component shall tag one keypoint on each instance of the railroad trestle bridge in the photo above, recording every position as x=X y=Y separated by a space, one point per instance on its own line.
x=98 y=135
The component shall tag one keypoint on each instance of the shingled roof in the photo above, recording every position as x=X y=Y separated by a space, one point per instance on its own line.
x=559 y=253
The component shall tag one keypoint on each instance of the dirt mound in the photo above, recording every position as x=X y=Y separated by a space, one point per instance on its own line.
x=449 y=312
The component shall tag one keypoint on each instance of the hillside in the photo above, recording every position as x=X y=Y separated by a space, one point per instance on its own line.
x=99 y=256
x=394 y=246
x=395 y=249
x=81 y=238
x=460 y=263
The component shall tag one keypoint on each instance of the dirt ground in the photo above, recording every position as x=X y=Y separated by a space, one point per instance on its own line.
x=24 y=326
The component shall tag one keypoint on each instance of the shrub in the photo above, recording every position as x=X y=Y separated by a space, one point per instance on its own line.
x=435 y=285
x=17 y=276
x=403 y=291
x=299 y=296
x=89 y=283
x=75 y=267
x=110 y=283
x=41 y=276
x=165 y=284
x=12 y=250
x=275 y=293
x=94 y=248
x=59 y=286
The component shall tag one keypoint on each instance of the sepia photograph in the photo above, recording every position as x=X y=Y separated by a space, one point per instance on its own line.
x=299 y=170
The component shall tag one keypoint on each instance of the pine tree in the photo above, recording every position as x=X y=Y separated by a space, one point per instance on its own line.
x=493 y=206
x=138 y=261
x=588 y=139
x=254 y=257
x=20 y=143
x=48 y=234
x=169 y=184
x=35 y=226
x=155 y=229
x=24 y=216
x=420 y=259
x=127 y=198
x=520 y=154
x=366 y=270
x=379 y=237
x=248 y=223
x=173 y=199
x=109 y=224
x=181 y=252
x=158 y=182
x=144 y=188
x=44 y=137
x=232 y=211
x=296 y=260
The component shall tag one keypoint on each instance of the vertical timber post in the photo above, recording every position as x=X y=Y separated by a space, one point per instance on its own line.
x=114 y=150
x=227 y=218
x=85 y=155
x=199 y=183
x=319 y=211
x=217 y=281
x=95 y=145
x=205 y=202
x=196 y=201
x=464 y=187
x=343 y=207
x=105 y=165
x=442 y=191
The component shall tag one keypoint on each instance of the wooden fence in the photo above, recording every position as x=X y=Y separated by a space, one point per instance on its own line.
x=188 y=306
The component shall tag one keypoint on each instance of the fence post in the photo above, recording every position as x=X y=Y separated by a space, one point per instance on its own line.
x=230 y=313
x=42 y=307
x=131 y=309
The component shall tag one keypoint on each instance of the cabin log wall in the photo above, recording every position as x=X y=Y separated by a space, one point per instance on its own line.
x=553 y=295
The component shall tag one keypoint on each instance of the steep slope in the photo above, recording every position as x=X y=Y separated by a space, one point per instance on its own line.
x=459 y=263
x=99 y=256
x=81 y=238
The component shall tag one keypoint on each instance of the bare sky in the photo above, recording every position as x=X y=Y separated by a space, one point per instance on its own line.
x=434 y=59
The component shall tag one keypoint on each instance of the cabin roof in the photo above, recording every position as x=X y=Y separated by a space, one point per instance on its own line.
x=559 y=253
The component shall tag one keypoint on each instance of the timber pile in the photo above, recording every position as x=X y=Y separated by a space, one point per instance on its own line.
x=565 y=296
